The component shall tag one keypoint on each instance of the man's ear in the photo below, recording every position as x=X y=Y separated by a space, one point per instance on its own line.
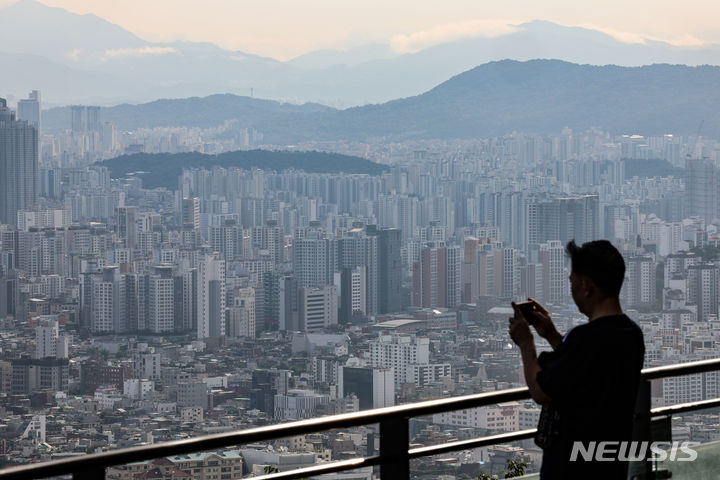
x=587 y=286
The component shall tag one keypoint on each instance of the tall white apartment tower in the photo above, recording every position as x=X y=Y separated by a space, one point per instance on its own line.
x=108 y=303
x=18 y=165
x=242 y=313
x=161 y=300
x=46 y=334
x=270 y=238
x=211 y=297
x=48 y=341
x=552 y=258
x=314 y=260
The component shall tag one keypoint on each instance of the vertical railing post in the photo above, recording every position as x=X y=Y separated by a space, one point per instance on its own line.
x=96 y=473
x=641 y=432
x=394 y=446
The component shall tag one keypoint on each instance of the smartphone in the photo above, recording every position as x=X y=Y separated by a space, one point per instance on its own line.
x=527 y=310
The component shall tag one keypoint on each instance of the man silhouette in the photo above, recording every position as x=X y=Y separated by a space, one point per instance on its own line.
x=588 y=383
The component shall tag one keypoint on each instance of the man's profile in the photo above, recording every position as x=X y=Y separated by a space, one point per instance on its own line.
x=588 y=383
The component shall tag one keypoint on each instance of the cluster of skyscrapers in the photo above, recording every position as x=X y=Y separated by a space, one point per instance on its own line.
x=18 y=159
x=353 y=290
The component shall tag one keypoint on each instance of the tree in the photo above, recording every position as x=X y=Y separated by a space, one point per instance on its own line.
x=513 y=469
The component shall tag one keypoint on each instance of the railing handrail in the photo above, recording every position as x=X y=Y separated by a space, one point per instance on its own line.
x=677 y=369
x=282 y=430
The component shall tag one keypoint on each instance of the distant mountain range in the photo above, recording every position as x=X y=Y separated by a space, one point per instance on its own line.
x=84 y=59
x=538 y=96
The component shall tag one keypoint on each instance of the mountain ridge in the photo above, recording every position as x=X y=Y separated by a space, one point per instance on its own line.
x=374 y=73
x=537 y=96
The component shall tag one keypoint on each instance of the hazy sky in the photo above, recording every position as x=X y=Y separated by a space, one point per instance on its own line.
x=286 y=28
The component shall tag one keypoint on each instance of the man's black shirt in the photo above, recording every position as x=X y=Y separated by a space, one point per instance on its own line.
x=592 y=379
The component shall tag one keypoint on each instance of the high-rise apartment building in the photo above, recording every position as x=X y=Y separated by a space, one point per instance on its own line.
x=437 y=277
x=288 y=315
x=507 y=272
x=704 y=289
x=374 y=387
x=190 y=213
x=109 y=137
x=48 y=341
x=186 y=287
x=77 y=115
x=639 y=288
x=242 y=313
x=108 y=303
x=353 y=293
x=87 y=127
x=531 y=282
x=270 y=238
x=701 y=186
x=554 y=280
x=211 y=297
x=563 y=219
x=356 y=249
x=227 y=239
x=677 y=264
x=314 y=260
x=93 y=123
x=127 y=225
x=616 y=217
x=400 y=352
x=469 y=288
x=317 y=308
x=389 y=268
x=268 y=312
x=18 y=165
x=30 y=109
x=161 y=300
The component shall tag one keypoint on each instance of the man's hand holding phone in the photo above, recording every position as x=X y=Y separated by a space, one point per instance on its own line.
x=527 y=310
x=537 y=316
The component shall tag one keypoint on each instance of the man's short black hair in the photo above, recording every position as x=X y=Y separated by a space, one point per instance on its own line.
x=600 y=261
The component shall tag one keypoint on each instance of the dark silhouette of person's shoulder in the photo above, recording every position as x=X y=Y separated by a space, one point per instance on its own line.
x=620 y=331
x=612 y=322
x=627 y=325
x=606 y=331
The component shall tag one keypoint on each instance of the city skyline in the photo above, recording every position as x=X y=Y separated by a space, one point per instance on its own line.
x=227 y=298
x=351 y=230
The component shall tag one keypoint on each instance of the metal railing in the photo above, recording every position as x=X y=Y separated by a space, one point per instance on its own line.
x=395 y=452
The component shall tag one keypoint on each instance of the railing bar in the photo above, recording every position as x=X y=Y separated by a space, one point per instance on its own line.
x=701 y=366
x=355 y=463
x=684 y=407
x=472 y=443
x=95 y=474
x=224 y=440
x=350 y=464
